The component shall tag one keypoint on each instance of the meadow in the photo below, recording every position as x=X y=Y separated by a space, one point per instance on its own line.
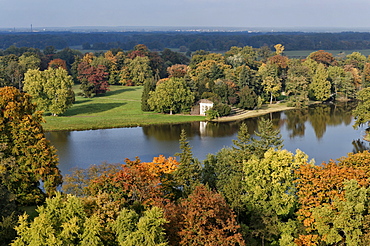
x=119 y=107
x=336 y=53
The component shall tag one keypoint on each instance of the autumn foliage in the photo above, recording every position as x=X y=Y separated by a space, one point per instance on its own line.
x=58 y=63
x=22 y=141
x=93 y=79
x=323 y=57
x=135 y=182
x=204 y=218
x=322 y=193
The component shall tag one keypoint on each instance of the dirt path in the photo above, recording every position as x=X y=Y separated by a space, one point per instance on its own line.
x=254 y=113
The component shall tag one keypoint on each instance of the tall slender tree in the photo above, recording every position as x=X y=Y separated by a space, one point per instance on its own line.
x=268 y=138
x=187 y=175
x=320 y=86
x=149 y=85
x=22 y=138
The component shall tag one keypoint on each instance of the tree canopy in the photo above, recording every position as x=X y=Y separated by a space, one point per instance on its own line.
x=23 y=141
x=171 y=96
x=51 y=89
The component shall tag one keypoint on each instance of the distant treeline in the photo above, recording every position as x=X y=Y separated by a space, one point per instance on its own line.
x=191 y=41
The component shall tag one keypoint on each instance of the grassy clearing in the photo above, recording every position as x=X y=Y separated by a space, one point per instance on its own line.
x=336 y=53
x=120 y=107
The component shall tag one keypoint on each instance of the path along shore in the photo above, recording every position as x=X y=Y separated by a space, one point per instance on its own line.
x=267 y=108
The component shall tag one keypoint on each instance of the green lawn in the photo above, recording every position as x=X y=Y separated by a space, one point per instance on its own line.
x=120 y=107
x=336 y=53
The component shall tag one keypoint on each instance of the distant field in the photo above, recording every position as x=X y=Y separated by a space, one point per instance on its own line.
x=120 y=107
x=336 y=53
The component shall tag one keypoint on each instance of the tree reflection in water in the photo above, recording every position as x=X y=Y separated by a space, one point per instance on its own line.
x=322 y=131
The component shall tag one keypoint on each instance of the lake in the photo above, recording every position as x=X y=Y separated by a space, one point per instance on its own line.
x=323 y=132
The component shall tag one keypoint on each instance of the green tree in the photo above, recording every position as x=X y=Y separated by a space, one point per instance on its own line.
x=247 y=98
x=366 y=75
x=51 y=89
x=29 y=61
x=242 y=145
x=69 y=55
x=270 y=192
x=187 y=174
x=336 y=76
x=247 y=77
x=348 y=88
x=136 y=71
x=147 y=230
x=320 y=86
x=297 y=83
x=171 y=96
x=149 y=86
x=22 y=138
x=8 y=205
x=362 y=111
x=270 y=79
x=347 y=220
x=272 y=86
x=9 y=212
x=12 y=71
x=238 y=56
x=224 y=171
x=297 y=90
x=268 y=137
x=61 y=221
x=356 y=59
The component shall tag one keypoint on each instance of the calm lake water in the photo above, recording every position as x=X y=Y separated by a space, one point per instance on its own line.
x=323 y=132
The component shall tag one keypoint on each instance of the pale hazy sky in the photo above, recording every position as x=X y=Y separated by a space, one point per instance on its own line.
x=223 y=13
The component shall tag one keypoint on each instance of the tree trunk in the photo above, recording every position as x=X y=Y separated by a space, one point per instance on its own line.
x=271 y=99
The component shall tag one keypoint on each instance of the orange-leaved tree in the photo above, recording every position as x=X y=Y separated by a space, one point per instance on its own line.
x=57 y=63
x=204 y=218
x=135 y=182
x=332 y=201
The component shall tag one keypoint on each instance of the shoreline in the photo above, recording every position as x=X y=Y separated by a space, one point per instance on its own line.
x=267 y=108
x=120 y=108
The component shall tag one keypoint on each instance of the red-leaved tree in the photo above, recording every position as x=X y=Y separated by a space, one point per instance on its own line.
x=93 y=79
x=204 y=218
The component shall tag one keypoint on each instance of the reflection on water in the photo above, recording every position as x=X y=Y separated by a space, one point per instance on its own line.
x=321 y=131
x=319 y=116
x=360 y=145
x=170 y=132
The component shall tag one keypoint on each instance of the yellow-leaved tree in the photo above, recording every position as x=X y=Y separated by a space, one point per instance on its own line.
x=22 y=139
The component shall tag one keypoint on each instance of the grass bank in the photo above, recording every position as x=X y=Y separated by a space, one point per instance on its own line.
x=120 y=107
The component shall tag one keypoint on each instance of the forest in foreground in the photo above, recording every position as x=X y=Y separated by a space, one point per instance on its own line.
x=251 y=193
